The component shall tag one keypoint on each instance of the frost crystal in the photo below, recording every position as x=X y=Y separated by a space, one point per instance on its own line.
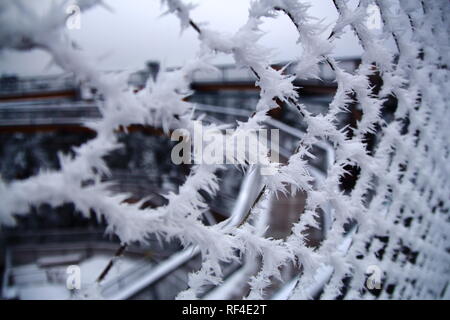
x=405 y=176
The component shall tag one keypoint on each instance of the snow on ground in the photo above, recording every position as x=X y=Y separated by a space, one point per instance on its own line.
x=35 y=282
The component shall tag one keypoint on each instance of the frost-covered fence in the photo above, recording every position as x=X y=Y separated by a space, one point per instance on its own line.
x=398 y=207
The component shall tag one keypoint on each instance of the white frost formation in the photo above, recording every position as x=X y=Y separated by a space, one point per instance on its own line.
x=406 y=176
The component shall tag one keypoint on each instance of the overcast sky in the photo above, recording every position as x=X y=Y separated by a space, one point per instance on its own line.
x=136 y=32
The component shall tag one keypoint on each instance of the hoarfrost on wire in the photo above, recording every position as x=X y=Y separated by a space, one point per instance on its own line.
x=406 y=176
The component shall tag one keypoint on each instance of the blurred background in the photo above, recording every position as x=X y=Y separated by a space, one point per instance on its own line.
x=43 y=111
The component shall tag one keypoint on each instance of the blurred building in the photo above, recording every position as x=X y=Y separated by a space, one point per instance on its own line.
x=43 y=116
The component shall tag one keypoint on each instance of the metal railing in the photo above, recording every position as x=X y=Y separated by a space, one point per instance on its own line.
x=145 y=274
x=247 y=195
x=230 y=73
x=24 y=85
